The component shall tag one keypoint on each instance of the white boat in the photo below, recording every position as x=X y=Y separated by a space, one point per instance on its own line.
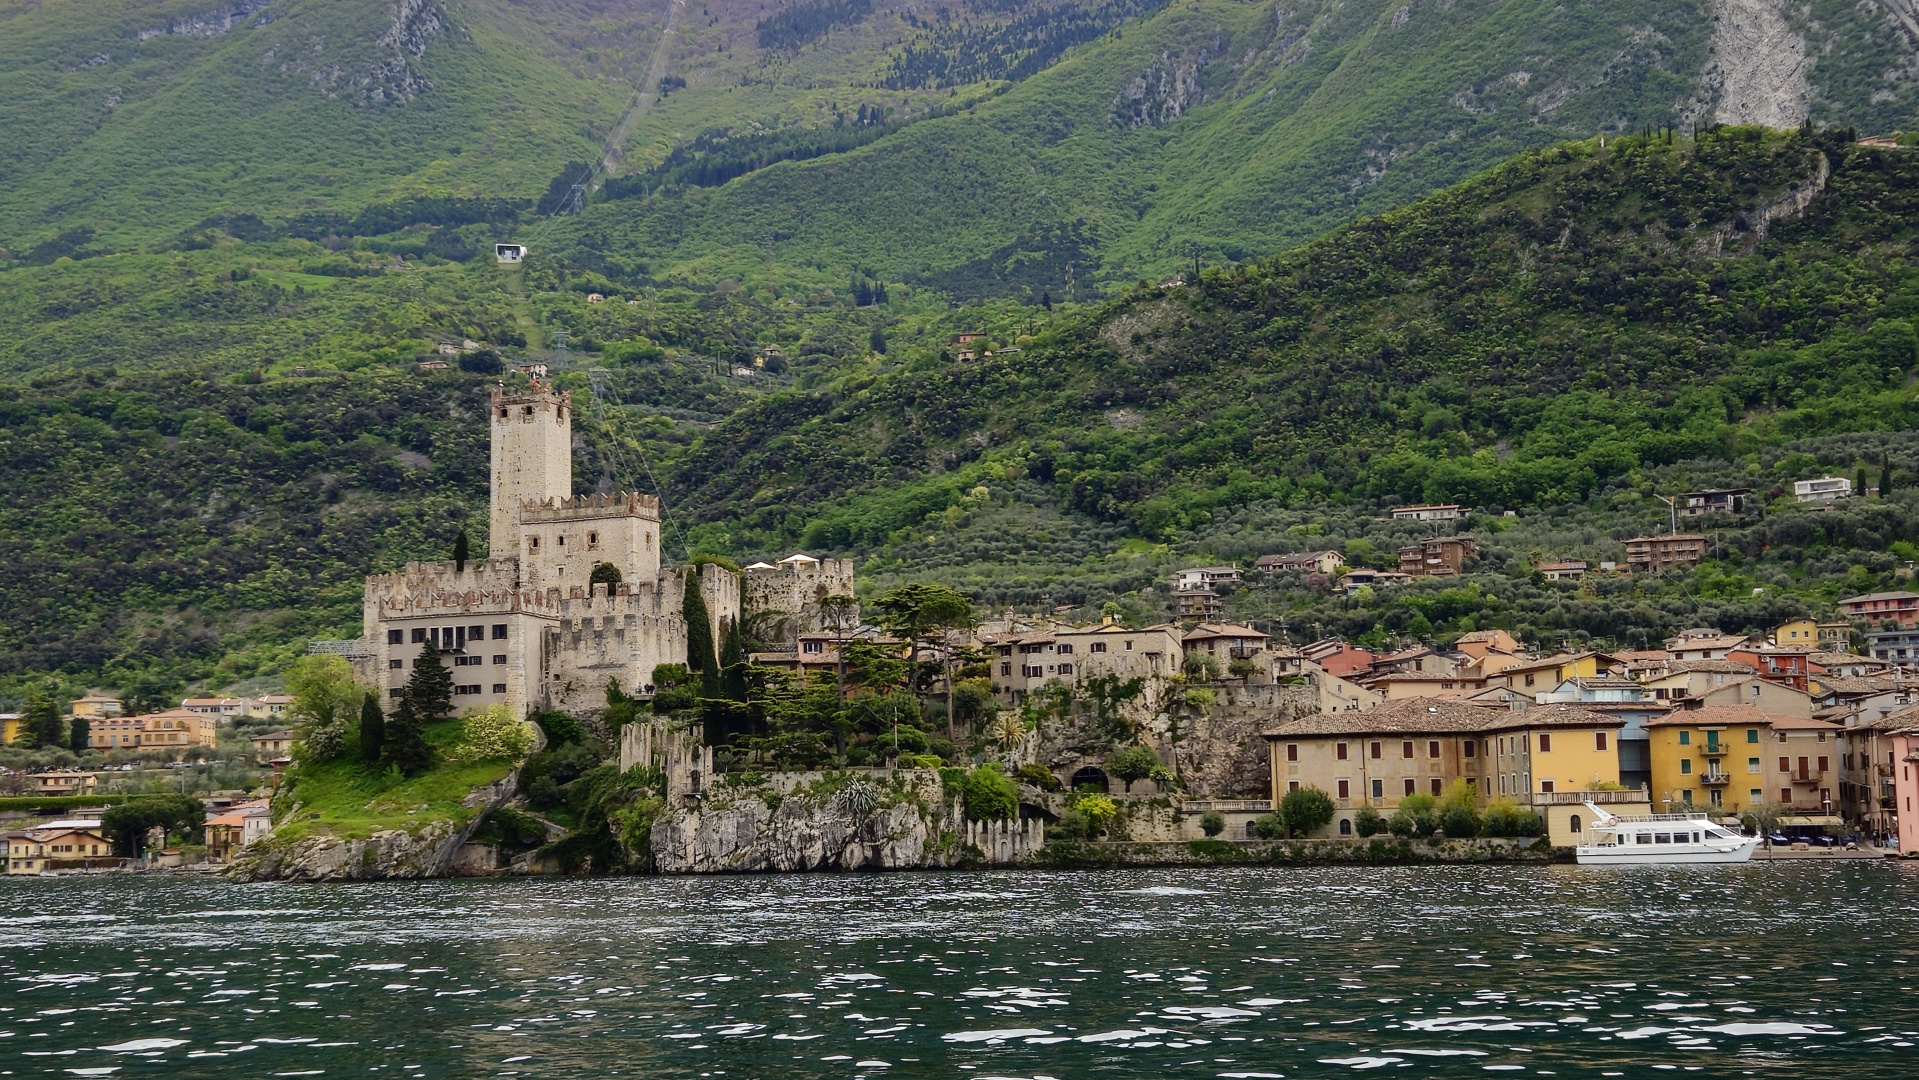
x=1661 y=839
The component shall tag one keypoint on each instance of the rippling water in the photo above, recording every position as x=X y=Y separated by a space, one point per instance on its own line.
x=1785 y=970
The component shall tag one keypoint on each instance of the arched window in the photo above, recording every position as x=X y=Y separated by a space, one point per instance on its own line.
x=1090 y=776
x=1252 y=830
x=1345 y=826
x=1574 y=823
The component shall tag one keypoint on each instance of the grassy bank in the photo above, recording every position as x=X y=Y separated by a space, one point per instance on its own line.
x=346 y=799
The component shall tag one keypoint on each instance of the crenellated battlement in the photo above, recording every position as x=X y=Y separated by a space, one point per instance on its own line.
x=586 y=507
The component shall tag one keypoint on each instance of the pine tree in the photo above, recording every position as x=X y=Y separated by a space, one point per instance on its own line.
x=461 y=547
x=404 y=747
x=430 y=690
x=40 y=725
x=77 y=735
x=372 y=729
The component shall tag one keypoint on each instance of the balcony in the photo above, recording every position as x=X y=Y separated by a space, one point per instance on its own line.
x=1716 y=749
x=1716 y=779
x=1810 y=778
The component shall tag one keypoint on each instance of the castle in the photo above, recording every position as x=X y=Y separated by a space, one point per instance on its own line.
x=525 y=627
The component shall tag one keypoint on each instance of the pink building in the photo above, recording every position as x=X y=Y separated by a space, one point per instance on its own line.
x=1905 y=787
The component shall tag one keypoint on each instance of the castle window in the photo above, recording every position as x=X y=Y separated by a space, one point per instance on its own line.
x=561 y=541
x=499 y=658
x=396 y=663
x=499 y=631
x=395 y=637
x=502 y=412
x=499 y=688
x=527 y=413
x=419 y=634
x=592 y=540
x=475 y=633
x=397 y=692
x=533 y=543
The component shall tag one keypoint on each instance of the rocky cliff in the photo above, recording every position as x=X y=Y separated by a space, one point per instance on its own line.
x=812 y=822
x=430 y=849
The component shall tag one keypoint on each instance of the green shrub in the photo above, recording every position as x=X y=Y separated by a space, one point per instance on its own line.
x=1212 y=823
x=1305 y=810
x=1039 y=776
x=989 y=795
x=1269 y=827
x=1507 y=818
x=1368 y=823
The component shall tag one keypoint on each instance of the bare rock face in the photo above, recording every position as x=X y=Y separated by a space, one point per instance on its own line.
x=1217 y=747
x=432 y=849
x=1165 y=91
x=758 y=832
x=1758 y=69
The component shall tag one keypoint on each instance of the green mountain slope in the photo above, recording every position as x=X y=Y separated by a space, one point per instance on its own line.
x=1550 y=327
x=1231 y=129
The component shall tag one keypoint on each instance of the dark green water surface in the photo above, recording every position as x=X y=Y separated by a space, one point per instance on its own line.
x=1785 y=970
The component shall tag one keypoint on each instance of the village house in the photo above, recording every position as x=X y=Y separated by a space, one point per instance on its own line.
x=1338 y=657
x=1479 y=643
x=1533 y=676
x=1430 y=512
x=175 y=729
x=1874 y=764
x=1364 y=577
x=1562 y=571
x=1321 y=562
x=1900 y=647
x=1822 y=489
x=1807 y=779
x=1206 y=577
x=225 y=708
x=1772 y=697
x=1704 y=643
x=1711 y=757
x=1631 y=702
x=1026 y=659
x=1443 y=556
x=235 y=827
x=57 y=845
x=1197 y=604
x=1545 y=758
x=1902 y=751
x=1718 y=501
x=96 y=705
x=1796 y=633
x=1791 y=667
x=1223 y=641
x=1657 y=554
x=272 y=746
x=63 y=782
x=1899 y=608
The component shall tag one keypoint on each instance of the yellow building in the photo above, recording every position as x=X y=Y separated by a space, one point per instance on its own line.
x=58 y=844
x=9 y=728
x=1797 y=632
x=1711 y=757
x=1548 y=673
x=1539 y=757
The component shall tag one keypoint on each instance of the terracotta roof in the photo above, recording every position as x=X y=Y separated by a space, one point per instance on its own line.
x=1793 y=723
x=1716 y=716
x=1871 y=597
x=1902 y=720
x=1434 y=716
x=1206 y=630
x=1854 y=684
x=1711 y=667
x=1478 y=635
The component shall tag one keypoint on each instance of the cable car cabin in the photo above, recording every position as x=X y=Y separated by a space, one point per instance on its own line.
x=509 y=253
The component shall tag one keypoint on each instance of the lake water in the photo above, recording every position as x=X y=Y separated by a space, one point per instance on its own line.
x=1784 y=970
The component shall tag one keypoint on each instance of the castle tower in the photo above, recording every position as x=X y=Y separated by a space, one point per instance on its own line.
x=532 y=459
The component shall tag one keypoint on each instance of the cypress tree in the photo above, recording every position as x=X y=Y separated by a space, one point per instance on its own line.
x=877 y=342
x=733 y=664
x=372 y=729
x=1859 y=481
x=77 y=733
x=461 y=547
x=699 y=635
x=1885 y=478
x=404 y=747
x=430 y=690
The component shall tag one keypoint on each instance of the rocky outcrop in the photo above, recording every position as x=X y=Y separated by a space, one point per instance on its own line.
x=206 y=24
x=762 y=829
x=1216 y=747
x=1757 y=74
x=1165 y=91
x=431 y=849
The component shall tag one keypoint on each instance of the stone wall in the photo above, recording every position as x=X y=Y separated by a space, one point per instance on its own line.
x=795 y=823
